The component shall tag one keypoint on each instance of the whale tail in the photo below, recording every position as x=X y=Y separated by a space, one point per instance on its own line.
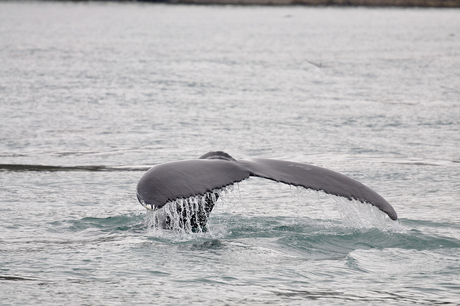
x=201 y=179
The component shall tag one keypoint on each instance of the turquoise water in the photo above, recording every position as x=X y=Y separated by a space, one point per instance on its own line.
x=93 y=94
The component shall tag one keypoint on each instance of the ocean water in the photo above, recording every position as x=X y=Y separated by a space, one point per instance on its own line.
x=93 y=94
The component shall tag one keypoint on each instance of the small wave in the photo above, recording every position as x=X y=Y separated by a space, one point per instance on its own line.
x=323 y=239
x=378 y=297
x=116 y=223
x=207 y=245
x=413 y=161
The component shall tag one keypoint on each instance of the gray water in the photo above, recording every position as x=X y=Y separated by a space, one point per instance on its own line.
x=93 y=94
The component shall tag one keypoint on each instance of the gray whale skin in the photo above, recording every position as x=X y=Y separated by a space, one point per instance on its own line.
x=171 y=181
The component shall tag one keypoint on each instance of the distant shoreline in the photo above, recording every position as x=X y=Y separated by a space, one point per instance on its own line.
x=369 y=3
x=341 y=3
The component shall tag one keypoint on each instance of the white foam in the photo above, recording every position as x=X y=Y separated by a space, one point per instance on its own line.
x=351 y=213
x=364 y=215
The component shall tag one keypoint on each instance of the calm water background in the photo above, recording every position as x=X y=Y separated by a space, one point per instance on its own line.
x=92 y=95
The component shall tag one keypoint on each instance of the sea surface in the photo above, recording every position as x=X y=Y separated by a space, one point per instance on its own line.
x=94 y=94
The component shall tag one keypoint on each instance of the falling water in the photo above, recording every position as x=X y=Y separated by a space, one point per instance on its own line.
x=184 y=215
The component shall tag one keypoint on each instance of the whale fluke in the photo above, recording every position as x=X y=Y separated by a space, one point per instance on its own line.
x=213 y=171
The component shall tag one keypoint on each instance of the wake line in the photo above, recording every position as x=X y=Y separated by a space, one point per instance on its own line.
x=16 y=278
x=51 y=168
